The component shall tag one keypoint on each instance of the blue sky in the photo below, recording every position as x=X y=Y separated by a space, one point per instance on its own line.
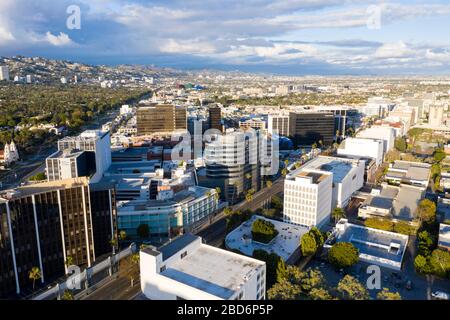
x=276 y=36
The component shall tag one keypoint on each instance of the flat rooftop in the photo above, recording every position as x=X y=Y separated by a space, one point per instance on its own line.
x=444 y=235
x=315 y=176
x=284 y=244
x=218 y=272
x=373 y=242
x=340 y=167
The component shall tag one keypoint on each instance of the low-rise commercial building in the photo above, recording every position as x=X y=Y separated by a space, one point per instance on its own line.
x=362 y=147
x=187 y=269
x=383 y=248
x=407 y=172
x=286 y=244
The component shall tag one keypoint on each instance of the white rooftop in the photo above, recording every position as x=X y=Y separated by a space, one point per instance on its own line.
x=340 y=167
x=216 y=271
x=284 y=244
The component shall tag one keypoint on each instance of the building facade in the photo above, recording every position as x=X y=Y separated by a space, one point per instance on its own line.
x=45 y=223
x=308 y=198
x=312 y=127
x=164 y=118
x=187 y=269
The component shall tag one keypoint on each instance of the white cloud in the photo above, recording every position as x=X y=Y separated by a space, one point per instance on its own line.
x=393 y=50
x=58 y=40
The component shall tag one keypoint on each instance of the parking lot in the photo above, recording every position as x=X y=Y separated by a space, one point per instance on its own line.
x=410 y=285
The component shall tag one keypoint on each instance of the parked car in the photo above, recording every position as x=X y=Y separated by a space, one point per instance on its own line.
x=440 y=295
x=409 y=285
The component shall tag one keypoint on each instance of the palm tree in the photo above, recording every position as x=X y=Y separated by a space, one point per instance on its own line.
x=67 y=295
x=269 y=183
x=69 y=261
x=284 y=172
x=338 y=214
x=122 y=235
x=34 y=274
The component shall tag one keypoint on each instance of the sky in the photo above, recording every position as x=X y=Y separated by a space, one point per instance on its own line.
x=292 y=37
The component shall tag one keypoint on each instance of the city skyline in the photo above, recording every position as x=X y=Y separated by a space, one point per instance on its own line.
x=323 y=37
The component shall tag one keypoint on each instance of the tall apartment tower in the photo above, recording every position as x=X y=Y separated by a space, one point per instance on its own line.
x=215 y=118
x=161 y=118
x=308 y=197
x=312 y=127
x=44 y=224
x=4 y=73
x=436 y=116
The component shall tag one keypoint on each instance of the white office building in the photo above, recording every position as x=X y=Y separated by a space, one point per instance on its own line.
x=91 y=140
x=278 y=123
x=363 y=147
x=4 y=73
x=308 y=197
x=187 y=269
x=386 y=134
x=348 y=176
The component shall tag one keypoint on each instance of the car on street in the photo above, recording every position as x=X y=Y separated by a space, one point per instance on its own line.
x=440 y=295
x=409 y=285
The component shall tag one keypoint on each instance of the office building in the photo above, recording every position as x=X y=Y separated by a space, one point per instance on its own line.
x=169 y=212
x=187 y=269
x=160 y=119
x=278 y=124
x=45 y=223
x=307 y=128
x=232 y=164
x=348 y=176
x=387 y=134
x=4 y=73
x=255 y=124
x=379 y=247
x=215 y=118
x=96 y=141
x=70 y=164
x=308 y=197
x=372 y=148
x=436 y=116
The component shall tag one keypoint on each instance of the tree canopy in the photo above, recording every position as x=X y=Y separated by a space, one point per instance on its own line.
x=343 y=255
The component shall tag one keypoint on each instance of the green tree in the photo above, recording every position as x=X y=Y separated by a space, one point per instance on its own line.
x=284 y=172
x=318 y=236
x=143 y=231
x=338 y=214
x=269 y=183
x=67 y=295
x=34 y=274
x=400 y=144
x=385 y=294
x=69 y=261
x=426 y=211
x=284 y=290
x=263 y=231
x=308 y=244
x=320 y=294
x=439 y=155
x=343 y=255
x=440 y=262
x=351 y=289
x=425 y=243
x=228 y=211
x=420 y=263
x=312 y=279
x=122 y=235
x=274 y=268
